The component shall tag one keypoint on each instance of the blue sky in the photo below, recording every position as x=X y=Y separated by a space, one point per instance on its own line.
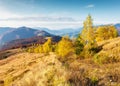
x=57 y=14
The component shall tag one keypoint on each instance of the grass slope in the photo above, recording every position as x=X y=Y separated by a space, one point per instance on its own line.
x=34 y=69
x=110 y=51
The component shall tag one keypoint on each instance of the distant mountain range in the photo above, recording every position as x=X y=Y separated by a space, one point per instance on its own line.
x=28 y=42
x=21 y=33
x=61 y=32
x=70 y=31
x=8 y=34
x=5 y=29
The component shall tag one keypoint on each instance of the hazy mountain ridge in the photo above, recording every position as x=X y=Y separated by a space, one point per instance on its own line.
x=22 y=43
x=61 y=32
x=118 y=27
x=3 y=30
x=21 y=33
x=70 y=31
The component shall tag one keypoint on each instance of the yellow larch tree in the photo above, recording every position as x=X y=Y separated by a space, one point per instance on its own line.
x=106 y=32
x=47 y=46
x=65 y=47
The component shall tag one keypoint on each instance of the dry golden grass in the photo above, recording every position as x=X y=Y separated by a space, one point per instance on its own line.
x=34 y=69
x=18 y=64
x=49 y=72
x=110 y=52
x=102 y=43
x=96 y=75
x=30 y=69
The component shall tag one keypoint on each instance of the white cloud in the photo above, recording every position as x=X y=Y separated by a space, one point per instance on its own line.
x=51 y=25
x=10 y=19
x=40 y=18
x=53 y=22
x=90 y=6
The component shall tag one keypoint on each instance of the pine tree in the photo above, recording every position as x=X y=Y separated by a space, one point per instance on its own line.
x=88 y=37
x=88 y=32
x=40 y=49
x=84 y=33
x=47 y=46
x=79 y=45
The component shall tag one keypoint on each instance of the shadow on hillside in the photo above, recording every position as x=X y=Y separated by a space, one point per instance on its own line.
x=6 y=54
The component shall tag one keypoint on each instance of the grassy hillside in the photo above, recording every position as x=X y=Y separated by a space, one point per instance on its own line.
x=35 y=69
x=110 y=51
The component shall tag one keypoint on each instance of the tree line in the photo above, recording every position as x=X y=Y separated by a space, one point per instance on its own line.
x=85 y=45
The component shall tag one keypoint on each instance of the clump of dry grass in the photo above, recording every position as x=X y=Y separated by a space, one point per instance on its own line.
x=49 y=72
